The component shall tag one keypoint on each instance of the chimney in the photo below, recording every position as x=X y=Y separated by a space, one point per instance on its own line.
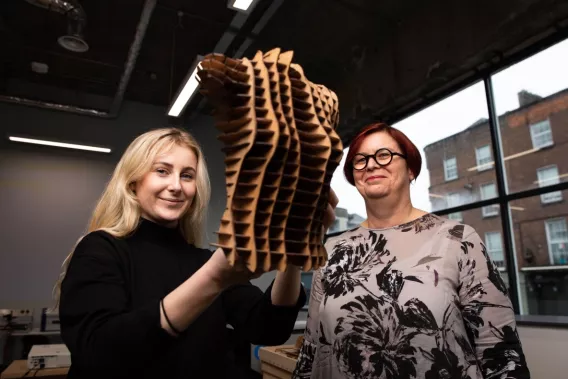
x=526 y=98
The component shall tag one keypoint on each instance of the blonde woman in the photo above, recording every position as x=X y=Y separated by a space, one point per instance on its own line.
x=140 y=299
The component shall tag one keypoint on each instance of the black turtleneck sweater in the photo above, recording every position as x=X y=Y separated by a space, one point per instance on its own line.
x=110 y=315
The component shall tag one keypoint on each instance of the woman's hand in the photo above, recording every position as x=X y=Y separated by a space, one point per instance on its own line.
x=225 y=274
x=329 y=216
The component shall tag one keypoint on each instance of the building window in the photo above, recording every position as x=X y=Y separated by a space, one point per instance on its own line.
x=541 y=134
x=306 y=279
x=450 y=169
x=494 y=247
x=548 y=176
x=489 y=191
x=453 y=200
x=456 y=216
x=557 y=238
x=483 y=158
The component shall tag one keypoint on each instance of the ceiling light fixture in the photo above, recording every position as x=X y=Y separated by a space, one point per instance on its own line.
x=187 y=90
x=59 y=144
x=241 y=5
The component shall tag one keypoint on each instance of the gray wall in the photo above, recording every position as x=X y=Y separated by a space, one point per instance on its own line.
x=47 y=194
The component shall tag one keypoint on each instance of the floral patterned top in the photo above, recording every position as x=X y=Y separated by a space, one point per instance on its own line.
x=419 y=300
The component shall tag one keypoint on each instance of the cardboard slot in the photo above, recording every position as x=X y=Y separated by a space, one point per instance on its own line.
x=234 y=148
x=238 y=76
x=234 y=137
x=299 y=93
x=312 y=160
x=297 y=83
x=315 y=148
x=260 y=149
x=309 y=137
x=302 y=115
x=238 y=100
x=301 y=104
x=233 y=125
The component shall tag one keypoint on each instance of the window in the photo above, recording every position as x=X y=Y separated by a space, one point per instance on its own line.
x=483 y=158
x=541 y=134
x=531 y=105
x=453 y=200
x=548 y=176
x=557 y=237
x=450 y=169
x=489 y=191
x=494 y=247
x=350 y=210
x=306 y=279
x=456 y=216
x=447 y=145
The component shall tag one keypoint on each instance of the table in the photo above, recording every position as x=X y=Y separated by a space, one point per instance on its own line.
x=19 y=368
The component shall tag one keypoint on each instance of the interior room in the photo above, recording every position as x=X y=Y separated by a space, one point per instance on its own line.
x=481 y=88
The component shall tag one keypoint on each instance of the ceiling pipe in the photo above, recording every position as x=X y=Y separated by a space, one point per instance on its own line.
x=149 y=6
x=76 y=21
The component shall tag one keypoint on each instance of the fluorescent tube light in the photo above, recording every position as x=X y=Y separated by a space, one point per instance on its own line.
x=59 y=144
x=242 y=4
x=187 y=92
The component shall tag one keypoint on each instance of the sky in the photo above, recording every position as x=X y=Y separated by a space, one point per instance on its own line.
x=542 y=74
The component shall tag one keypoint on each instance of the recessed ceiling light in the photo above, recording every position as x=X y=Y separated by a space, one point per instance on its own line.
x=59 y=144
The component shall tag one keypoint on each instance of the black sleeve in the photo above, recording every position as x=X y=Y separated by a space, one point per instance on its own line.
x=96 y=325
x=252 y=314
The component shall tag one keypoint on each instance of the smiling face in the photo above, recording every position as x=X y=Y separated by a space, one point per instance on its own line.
x=167 y=191
x=374 y=181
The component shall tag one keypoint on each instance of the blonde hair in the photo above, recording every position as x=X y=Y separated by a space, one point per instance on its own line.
x=118 y=211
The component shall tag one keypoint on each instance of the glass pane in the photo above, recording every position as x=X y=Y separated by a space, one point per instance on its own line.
x=491 y=233
x=450 y=135
x=541 y=250
x=531 y=99
x=350 y=210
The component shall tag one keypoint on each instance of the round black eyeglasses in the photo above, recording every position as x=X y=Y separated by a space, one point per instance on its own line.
x=383 y=157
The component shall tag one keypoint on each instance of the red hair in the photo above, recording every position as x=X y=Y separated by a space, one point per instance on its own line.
x=413 y=157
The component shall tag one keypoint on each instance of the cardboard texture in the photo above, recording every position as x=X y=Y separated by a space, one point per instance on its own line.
x=281 y=150
x=275 y=363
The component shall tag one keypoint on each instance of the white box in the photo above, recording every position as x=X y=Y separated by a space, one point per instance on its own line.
x=49 y=356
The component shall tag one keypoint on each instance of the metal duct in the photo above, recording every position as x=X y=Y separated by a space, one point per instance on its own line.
x=76 y=18
x=149 y=6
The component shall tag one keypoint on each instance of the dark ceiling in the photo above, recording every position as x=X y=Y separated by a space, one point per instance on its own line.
x=389 y=58
x=384 y=58
x=172 y=42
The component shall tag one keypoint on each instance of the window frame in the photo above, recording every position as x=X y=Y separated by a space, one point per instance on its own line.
x=446 y=178
x=483 y=166
x=489 y=210
x=534 y=134
x=550 y=197
x=502 y=264
x=547 y=222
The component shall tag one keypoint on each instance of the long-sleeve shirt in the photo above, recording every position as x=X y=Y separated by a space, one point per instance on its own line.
x=419 y=300
x=110 y=312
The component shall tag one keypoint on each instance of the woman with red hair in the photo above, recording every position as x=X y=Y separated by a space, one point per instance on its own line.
x=406 y=294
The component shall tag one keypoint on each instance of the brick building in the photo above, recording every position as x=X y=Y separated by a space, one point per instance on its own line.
x=535 y=150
